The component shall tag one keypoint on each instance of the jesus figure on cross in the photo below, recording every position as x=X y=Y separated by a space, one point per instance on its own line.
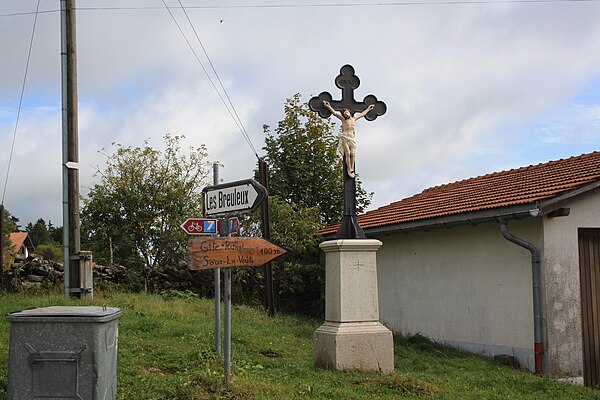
x=347 y=139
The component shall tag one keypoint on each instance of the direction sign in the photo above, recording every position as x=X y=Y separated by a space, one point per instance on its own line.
x=201 y=226
x=208 y=253
x=239 y=196
x=234 y=225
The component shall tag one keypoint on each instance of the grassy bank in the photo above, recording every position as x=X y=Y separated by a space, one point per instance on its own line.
x=166 y=351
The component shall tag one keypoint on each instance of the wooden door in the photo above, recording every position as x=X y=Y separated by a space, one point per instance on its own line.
x=589 y=272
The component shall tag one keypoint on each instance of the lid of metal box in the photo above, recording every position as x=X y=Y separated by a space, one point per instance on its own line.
x=66 y=313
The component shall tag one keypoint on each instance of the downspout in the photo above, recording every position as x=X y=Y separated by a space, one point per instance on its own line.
x=537 y=297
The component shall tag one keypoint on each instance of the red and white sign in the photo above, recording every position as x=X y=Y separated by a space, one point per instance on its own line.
x=201 y=226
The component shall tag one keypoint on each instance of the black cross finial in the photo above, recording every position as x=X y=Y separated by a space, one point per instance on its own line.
x=347 y=81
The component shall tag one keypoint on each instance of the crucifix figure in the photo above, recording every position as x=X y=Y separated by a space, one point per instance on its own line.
x=347 y=143
x=370 y=108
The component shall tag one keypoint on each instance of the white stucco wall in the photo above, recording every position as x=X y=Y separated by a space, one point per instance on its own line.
x=466 y=286
x=561 y=280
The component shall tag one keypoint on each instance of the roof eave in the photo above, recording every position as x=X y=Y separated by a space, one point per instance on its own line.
x=553 y=203
x=448 y=221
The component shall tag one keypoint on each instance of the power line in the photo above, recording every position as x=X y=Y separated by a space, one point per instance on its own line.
x=12 y=147
x=28 y=13
x=323 y=5
x=210 y=79
x=241 y=124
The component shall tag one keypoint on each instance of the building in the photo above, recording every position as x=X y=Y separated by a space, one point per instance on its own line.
x=21 y=244
x=506 y=263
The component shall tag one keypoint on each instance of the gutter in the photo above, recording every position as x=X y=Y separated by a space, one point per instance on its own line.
x=537 y=296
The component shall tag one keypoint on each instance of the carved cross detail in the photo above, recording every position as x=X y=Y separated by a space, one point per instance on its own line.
x=358 y=264
x=347 y=81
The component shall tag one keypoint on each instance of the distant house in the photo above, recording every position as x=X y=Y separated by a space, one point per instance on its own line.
x=505 y=263
x=22 y=244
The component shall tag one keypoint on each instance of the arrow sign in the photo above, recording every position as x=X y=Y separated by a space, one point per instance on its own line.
x=208 y=253
x=239 y=196
x=201 y=226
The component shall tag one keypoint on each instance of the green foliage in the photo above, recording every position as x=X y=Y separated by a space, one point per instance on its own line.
x=38 y=232
x=9 y=226
x=56 y=233
x=52 y=252
x=143 y=194
x=298 y=278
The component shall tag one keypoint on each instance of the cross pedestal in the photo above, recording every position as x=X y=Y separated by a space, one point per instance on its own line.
x=352 y=338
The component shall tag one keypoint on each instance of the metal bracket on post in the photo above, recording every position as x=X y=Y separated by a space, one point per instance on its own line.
x=81 y=290
x=85 y=273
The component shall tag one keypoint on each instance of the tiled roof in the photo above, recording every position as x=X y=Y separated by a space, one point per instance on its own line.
x=500 y=189
x=17 y=239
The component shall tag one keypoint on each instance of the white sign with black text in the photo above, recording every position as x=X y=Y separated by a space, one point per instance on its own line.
x=240 y=196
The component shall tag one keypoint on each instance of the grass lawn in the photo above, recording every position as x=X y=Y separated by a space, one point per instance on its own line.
x=166 y=351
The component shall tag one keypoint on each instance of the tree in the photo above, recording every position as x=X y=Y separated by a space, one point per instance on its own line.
x=305 y=195
x=9 y=226
x=304 y=168
x=298 y=280
x=56 y=233
x=143 y=195
x=38 y=232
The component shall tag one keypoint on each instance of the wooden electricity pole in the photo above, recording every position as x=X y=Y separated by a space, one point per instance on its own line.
x=1 y=237
x=70 y=146
x=263 y=179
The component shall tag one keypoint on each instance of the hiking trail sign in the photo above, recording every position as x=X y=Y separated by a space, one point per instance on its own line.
x=209 y=253
x=233 y=197
x=201 y=226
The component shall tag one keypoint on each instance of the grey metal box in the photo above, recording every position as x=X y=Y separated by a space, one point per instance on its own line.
x=63 y=353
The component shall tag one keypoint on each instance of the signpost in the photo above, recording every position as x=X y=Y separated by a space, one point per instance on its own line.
x=214 y=253
x=233 y=197
x=208 y=253
x=201 y=226
x=234 y=225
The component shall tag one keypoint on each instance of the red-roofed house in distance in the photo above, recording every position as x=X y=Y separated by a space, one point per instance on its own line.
x=501 y=264
x=21 y=244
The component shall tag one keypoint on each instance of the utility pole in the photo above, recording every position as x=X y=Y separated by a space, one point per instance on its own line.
x=70 y=146
x=263 y=179
x=1 y=237
x=216 y=181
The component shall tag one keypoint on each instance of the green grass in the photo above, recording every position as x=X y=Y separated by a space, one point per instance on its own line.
x=166 y=351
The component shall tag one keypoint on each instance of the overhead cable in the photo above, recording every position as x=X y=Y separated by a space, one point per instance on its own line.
x=323 y=5
x=231 y=113
x=12 y=147
x=241 y=124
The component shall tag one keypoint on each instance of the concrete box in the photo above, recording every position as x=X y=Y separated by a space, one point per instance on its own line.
x=63 y=353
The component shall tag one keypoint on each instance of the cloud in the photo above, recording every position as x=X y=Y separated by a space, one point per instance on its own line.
x=462 y=83
x=573 y=124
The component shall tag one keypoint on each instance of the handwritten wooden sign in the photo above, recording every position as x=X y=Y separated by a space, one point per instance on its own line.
x=208 y=253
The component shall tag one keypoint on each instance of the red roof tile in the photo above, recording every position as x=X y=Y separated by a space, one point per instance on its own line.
x=500 y=189
x=17 y=239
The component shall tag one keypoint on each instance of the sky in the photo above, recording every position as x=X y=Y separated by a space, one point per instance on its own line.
x=470 y=87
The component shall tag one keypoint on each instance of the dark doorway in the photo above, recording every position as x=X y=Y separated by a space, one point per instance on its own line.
x=589 y=273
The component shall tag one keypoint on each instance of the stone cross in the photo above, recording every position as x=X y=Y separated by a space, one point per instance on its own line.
x=347 y=81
